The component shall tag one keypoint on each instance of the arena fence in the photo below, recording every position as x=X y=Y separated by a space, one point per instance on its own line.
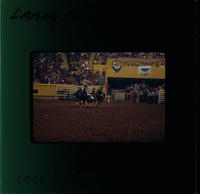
x=161 y=96
x=65 y=92
x=118 y=95
x=57 y=91
x=68 y=92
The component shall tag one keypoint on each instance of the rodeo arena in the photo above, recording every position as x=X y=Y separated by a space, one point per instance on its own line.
x=98 y=96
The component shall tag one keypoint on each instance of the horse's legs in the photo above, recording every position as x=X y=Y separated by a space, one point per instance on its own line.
x=76 y=100
x=88 y=102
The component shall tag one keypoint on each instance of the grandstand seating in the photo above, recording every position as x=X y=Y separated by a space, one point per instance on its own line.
x=134 y=59
x=64 y=68
x=74 y=67
x=91 y=60
x=100 y=58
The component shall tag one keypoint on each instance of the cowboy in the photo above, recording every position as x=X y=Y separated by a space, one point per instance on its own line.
x=100 y=95
x=134 y=95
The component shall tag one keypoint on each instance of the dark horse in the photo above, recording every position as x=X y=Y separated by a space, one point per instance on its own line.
x=81 y=96
x=100 y=96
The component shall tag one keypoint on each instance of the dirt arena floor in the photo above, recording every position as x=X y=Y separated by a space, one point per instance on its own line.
x=64 y=121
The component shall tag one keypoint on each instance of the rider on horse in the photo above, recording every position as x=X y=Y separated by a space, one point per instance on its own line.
x=100 y=95
x=82 y=95
x=94 y=94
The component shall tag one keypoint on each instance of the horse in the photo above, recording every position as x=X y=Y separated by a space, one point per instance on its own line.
x=100 y=96
x=90 y=98
x=81 y=96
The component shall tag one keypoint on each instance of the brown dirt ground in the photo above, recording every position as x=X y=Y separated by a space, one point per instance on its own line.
x=64 y=121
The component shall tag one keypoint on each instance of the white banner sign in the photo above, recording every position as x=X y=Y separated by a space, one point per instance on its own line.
x=144 y=70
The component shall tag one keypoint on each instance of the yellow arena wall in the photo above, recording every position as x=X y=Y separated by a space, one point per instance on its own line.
x=128 y=71
x=45 y=90
x=131 y=72
x=48 y=91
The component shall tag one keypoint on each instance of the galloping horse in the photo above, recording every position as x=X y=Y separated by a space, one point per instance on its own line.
x=81 y=96
x=100 y=96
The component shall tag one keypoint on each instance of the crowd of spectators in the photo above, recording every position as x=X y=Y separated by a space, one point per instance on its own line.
x=81 y=73
x=141 y=92
x=85 y=76
x=131 y=54
x=140 y=55
x=158 y=55
x=77 y=59
x=48 y=68
x=100 y=58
